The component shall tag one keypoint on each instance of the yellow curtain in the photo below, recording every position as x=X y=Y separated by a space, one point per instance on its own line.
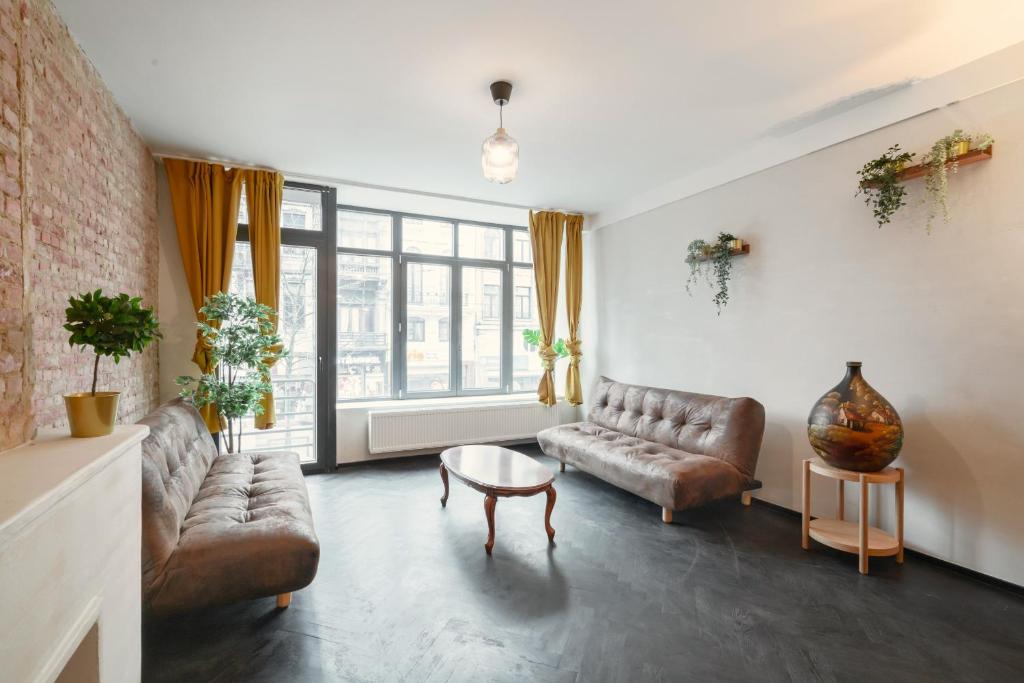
x=546 y=239
x=263 y=192
x=205 y=199
x=573 y=304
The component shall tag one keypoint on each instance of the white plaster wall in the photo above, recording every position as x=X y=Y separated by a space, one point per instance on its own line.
x=937 y=320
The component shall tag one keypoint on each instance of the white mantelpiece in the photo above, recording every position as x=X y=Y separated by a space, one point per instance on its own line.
x=70 y=536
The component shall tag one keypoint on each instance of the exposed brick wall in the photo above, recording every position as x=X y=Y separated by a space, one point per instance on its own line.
x=79 y=213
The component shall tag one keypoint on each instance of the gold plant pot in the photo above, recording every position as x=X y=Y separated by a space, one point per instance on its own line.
x=959 y=148
x=736 y=245
x=91 y=415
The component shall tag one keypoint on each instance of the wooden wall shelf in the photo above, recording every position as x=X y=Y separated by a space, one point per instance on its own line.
x=745 y=249
x=920 y=170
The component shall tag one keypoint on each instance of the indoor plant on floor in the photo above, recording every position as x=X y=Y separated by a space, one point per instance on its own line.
x=239 y=334
x=111 y=326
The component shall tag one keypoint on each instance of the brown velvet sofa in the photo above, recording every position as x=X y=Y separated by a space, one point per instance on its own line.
x=219 y=528
x=676 y=449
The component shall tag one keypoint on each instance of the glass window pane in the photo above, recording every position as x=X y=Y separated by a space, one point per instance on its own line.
x=481 y=328
x=301 y=209
x=428 y=301
x=477 y=241
x=526 y=367
x=293 y=377
x=364 y=326
x=420 y=236
x=521 y=249
x=364 y=230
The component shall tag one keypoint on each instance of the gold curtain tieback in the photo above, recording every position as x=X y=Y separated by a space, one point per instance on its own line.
x=573 y=346
x=273 y=348
x=202 y=357
x=547 y=357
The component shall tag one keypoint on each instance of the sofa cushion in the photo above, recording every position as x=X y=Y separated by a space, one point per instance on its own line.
x=249 y=532
x=667 y=476
x=176 y=457
x=729 y=429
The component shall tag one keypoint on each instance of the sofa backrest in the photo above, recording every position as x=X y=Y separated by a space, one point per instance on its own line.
x=729 y=429
x=176 y=457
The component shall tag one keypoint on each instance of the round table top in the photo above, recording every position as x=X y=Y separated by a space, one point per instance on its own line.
x=496 y=467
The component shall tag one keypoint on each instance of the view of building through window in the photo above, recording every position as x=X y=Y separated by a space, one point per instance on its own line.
x=294 y=377
x=424 y=306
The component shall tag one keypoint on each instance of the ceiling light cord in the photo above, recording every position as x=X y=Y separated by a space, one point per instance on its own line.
x=501 y=119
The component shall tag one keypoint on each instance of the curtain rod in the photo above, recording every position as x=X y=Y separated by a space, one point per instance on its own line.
x=351 y=183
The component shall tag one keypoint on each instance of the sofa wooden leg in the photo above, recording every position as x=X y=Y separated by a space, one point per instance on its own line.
x=283 y=600
x=666 y=515
x=745 y=498
x=561 y=467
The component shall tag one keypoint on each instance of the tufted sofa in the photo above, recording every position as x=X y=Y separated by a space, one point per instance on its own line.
x=219 y=528
x=676 y=449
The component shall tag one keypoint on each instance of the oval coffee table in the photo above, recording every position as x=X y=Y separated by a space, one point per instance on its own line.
x=498 y=472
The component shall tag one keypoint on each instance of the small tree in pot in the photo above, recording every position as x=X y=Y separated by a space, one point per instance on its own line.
x=242 y=344
x=111 y=326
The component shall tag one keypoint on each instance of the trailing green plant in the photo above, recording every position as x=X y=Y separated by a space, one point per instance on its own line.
x=711 y=260
x=938 y=166
x=532 y=338
x=242 y=344
x=880 y=183
x=115 y=326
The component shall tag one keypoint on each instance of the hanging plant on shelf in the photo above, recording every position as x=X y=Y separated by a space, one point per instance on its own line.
x=713 y=261
x=880 y=183
x=937 y=163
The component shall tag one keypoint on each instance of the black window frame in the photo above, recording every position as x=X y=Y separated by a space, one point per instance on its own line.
x=401 y=262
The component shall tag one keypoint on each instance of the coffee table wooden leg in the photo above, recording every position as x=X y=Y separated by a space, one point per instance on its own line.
x=547 y=514
x=489 y=503
x=444 y=480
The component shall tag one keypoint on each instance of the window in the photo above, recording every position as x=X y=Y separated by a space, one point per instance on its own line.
x=526 y=367
x=294 y=377
x=491 y=301
x=364 y=322
x=417 y=329
x=522 y=304
x=477 y=241
x=401 y=330
x=521 y=250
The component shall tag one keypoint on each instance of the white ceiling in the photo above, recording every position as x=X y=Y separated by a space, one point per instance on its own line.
x=611 y=98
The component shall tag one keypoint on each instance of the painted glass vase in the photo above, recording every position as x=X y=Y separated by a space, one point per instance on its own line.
x=853 y=427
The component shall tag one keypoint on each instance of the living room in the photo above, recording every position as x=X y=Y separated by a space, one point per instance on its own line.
x=464 y=341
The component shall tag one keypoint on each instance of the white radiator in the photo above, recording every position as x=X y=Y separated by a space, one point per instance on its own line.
x=412 y=429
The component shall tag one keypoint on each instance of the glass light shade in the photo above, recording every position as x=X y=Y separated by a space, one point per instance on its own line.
x=500 y=157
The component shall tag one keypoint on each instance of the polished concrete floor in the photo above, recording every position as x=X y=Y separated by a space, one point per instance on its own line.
x=405 y=592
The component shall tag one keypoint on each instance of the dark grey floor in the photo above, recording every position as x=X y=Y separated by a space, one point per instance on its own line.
x=405 y=592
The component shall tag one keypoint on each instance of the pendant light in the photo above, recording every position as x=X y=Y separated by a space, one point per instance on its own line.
x=500 y=157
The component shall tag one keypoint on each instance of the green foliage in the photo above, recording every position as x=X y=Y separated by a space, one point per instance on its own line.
x=880 y=183
x=111 y=326
x=242 y=344
x=532 y=338
x=711 y=260
x=936 y=181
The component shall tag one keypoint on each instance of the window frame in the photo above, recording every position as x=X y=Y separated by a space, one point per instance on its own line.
x=324 y=242
x=400 y=266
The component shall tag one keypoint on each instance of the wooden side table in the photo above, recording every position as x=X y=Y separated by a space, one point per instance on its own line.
x=853 y=537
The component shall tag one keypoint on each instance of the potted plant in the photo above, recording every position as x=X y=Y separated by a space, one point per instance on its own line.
x=940 y=160
x=880 y=183
x=712 y=259
x=242 y=344
x=111 y=326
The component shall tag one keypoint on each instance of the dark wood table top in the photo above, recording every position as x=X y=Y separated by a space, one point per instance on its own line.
x=496 y=467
